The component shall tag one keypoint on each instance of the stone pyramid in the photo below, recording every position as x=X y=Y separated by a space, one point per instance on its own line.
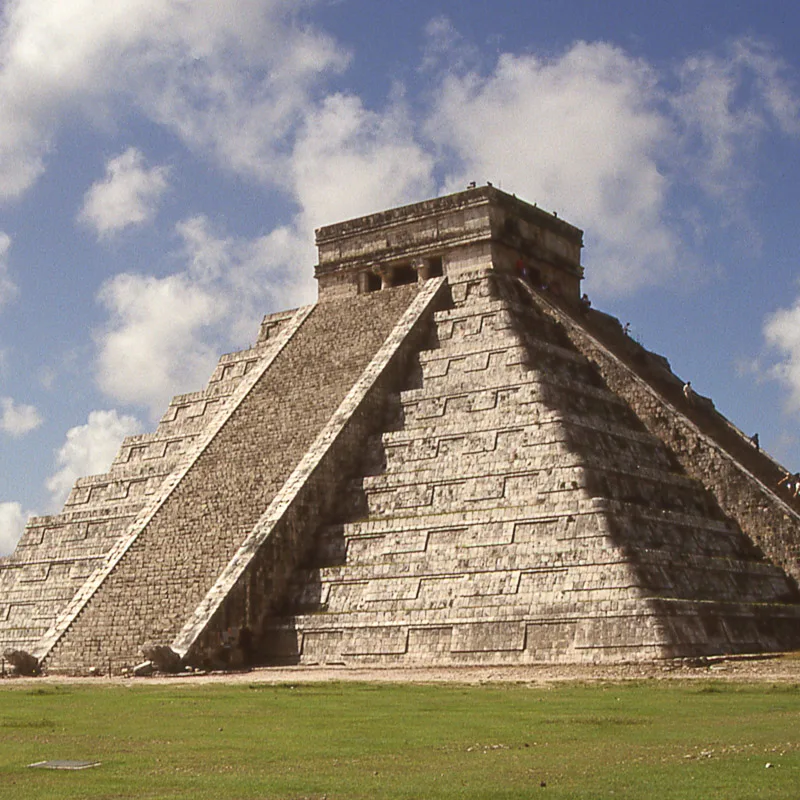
x=447 y=460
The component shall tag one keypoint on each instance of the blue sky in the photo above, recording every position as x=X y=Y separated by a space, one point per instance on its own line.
x=163 y=164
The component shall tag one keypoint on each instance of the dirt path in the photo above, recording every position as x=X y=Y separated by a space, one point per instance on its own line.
x=766 y=669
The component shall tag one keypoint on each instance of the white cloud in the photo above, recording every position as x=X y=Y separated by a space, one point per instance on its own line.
x=164 y=335
x=446 y=47
x=89 y=450
x=244 y=110
x=8 y=288
x=725 y=104
x=604 y=139
x=782 y=331
x=230 y=79
x=17 y=420
x=350 y=161
x=128 y=195
x=578 y=134
x=152 y=341
x=12 y=524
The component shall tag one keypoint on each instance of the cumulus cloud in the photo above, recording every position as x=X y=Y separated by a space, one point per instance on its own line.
x=128 y=195
x=229 y=78
x=445 y=47
x=578 y=134
x=12 y=524
x=350 y=161
x=89 y=450
x=152 y=341
x=604 y=139
x=163 y=335
x=782 y=331
x=17 y=420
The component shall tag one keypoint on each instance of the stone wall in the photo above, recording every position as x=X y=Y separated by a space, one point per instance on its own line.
x=254 y=584
x=514 y=482
x=772 y=524
x=478 y=224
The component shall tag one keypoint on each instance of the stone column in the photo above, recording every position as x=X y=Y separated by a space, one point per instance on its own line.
x=386 y=274
x=423 y=268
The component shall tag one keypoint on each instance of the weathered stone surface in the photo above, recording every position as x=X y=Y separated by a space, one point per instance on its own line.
x=163 y=658
x=461 y=469
x=58 y=554
x=185 y=542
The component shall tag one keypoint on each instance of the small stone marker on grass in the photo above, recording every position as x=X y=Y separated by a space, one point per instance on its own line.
x=61 y=764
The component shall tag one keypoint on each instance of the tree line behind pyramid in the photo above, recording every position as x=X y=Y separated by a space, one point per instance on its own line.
x=450 y=459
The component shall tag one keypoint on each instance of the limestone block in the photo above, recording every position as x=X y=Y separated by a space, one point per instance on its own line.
x=488 y=637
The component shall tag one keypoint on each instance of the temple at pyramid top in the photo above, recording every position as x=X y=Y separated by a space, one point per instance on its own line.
x=448 y=234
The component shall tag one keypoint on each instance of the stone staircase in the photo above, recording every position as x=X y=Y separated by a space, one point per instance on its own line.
x=173 y=557
x=519 y=511
x=58 y=553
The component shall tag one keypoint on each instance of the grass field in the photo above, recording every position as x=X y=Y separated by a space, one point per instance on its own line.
x=337 y=740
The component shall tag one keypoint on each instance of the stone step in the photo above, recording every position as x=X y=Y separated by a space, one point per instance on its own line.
x=495 y=366
x=545 y=542
x=399 y=606
x=490 y=431
x=77 y=525
x=486 y=306
x=535 y=489
x=131 y=471
x=520 y=402
x=512 y=452
x=223 y=493
x=480 y=493
x=523 y=387
x=669 y=574
x=504 y=323
x=532 y=348
x=563 y=465
x=600 y=611
x=105 y=490
x=542 y=493
x=153 y=446
x=73 y=554
x=232 y=367
x=272 y=325
x=585 y=520
x=546 y=535
x=550 y=441
x=188 y=419
x=494 y=305
x=478 y=356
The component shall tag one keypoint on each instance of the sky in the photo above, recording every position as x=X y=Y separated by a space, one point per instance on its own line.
x=164 y=163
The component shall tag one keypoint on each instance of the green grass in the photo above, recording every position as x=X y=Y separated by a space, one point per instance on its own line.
x=651 y=739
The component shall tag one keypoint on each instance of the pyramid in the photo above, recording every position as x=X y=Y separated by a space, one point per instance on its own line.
x=449 y=459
